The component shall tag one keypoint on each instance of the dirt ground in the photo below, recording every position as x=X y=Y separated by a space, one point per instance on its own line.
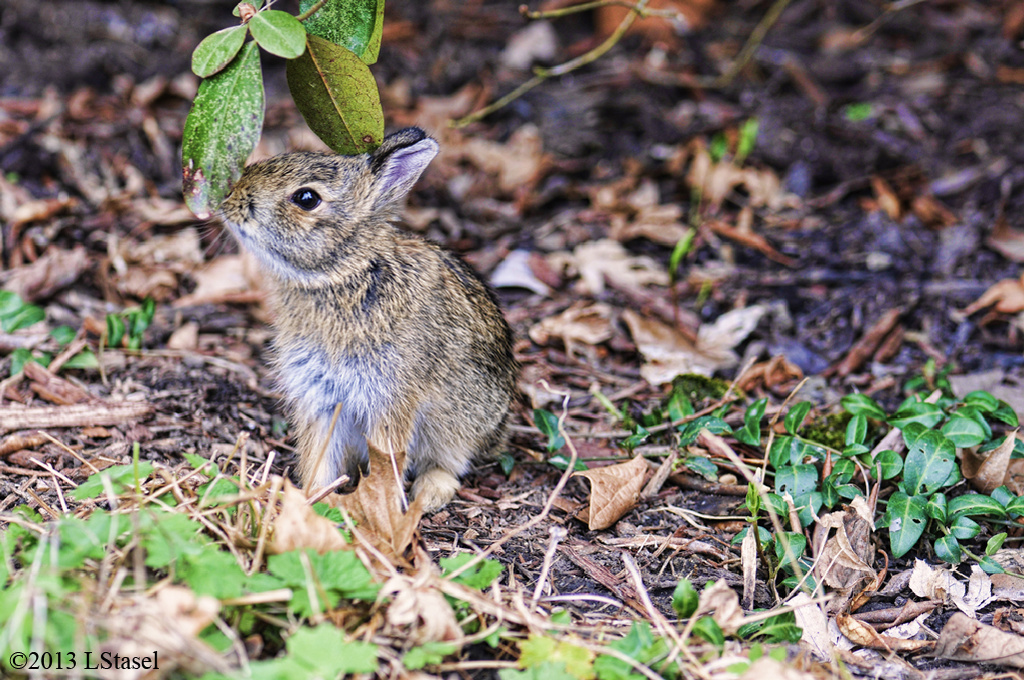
x=889 y=162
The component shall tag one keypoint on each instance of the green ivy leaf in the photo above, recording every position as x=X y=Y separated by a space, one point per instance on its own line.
x=936 y=508
x=928 y=415
x=707 y=628
x=84 y=359
x=115 y=330
x=547 y=423
x=974 y=504
x=22 y=317
x=789 y=547
x=337 y=96
x=1015 y=508
x=278 y=33
x=891 y=463
x=221 y=131
x=964 y=431
x=689 y=431
x=751 y=432
x=798 y=480
x=965 y=528
x=355 y=25
x=931 y=459
x=63 y=334
x=122 y=478
x=217 y=50
x=702 y=466
x=856 y=430
x=982 y=400
x=1005 y=414
x=995 y=543
x=795 y=418
x=947 y=549
x=906 y=520
x=860 y=404
x=990 y=566
x=684 y=599
x=478 y=577
x=679 y=405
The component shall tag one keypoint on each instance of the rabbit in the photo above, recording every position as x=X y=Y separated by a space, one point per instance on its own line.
x=400 y=332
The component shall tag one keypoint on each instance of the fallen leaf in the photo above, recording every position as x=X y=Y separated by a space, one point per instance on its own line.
x=518 y=164
x=887 y=199
x=41 y=209
x=716 y=180
x=141 y=282
x=597 y=261
x=813 y=625
x=186 y=337
x=515 y=272
x=668 y=353
x=589 y=324
x=376 y=505
x=614 y=491
x=420 y=609
x=229 y=278
x=1007 y=296
x=297 y=525
x=723 y=604
x=964 y=639
x=537 y=41
x=988 y=470
x=864 y=635
x=56 y=269
x=181 y=250
x=844 y=561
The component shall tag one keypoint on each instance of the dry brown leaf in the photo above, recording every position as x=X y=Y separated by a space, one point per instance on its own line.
x=597 y=261
x=964 y=639
x=845 y=559
x=723 y=604
x=589 y=324
x=376 y=505
x=988 y=470
x=1006 y=240
x=185 y=337
x=419 y=608
x=515 y=272
x=814 y=626
x=297 y=525
x=56 y=269
x=668 y=353
x=519 y=163
x=41 y=209
x=639 y=215
x=716 y=180
x=887 y=199
x=182 y=250
x=1007 y=296
x=614 y=491
x=228 y=278
x=140 y=282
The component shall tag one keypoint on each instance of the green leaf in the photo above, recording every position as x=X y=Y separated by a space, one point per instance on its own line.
x=684 y=598
x=928 y=415
x=688 y=432
x=707 y=628
x=682 y=247
x=539 y=650
x=964 y=528
x=324 y=651
x=860 y=404
x=982 y=400
x=843 y=471
x=891 y=463
x=217 y=50
x=63 y=334
x=22 y=317
x=479 y=576
x=278 y=33
x=84 y=359
x=798 y=480
x=795 y=418
x=548 y=670
x=547 y=423
x=353 y=24
x=636 y=439
x=560 y=461
x=990 y=566
x=964 y=431
x=10 y=302
x=679 y=405
x=122 y=478
x=995 y=543
x=751 y=432
x=428 y=654
x=789 y=547
x=221 y=131
x=702 y=466
x=19 y=358
x=748 y=137
x=856 y=429
x=936 y=508
x=1005 y=414
x=1003 y=495
x=115 y=330
x=931 y=458
x=906 y=521
x=973 y=504
x=947 y=549
x=337 y=96
x=1015 y=508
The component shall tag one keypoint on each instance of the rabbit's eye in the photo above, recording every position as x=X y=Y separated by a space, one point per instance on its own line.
x=307 y=199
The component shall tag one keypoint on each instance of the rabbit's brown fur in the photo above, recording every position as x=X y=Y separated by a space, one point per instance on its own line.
x=399 y=331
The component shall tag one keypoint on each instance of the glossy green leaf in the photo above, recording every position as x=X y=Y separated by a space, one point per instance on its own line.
x=936 y=508
x=906 y=520
x=1015 y=508
x=684 y=598
x=995 y=543
x=857 y=404
x=547 y=423
x=783 y=452
x=751 y=432
x=964 y=528
x=115 y=330
x=921 y=412
x=1003 y=495
x=856 y=429
x=798 y=480
x=947 y=549
x=982 y=400
x=23 y=316
x=990 y=566
x=679 y=405
x=217 y=50
x=356 y=25
x=84 y=359
x=702 y=466
x=221 y=131
x=843 y=471
x=891 y=464
x=795 y=418
x=706 y=627
x=337 y=96
x=278 y=33
x=964 y=431
x=688 y=432
x=975 y=504
x=789 y=547
x=63 y=334
x=1005 y=414
x=931 y=459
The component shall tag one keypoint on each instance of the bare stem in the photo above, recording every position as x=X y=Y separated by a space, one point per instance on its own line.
x=586 y=6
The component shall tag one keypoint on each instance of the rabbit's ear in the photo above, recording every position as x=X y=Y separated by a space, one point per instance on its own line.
x=398 y=163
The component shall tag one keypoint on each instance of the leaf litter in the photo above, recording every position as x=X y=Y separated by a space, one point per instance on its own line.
x=606 y=317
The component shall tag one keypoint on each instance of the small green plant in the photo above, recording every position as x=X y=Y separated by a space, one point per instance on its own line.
x=127 y=327
x=16 y=314
x=329 y=47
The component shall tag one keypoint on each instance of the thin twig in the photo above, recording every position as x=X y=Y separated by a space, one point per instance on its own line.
x=312 y=10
